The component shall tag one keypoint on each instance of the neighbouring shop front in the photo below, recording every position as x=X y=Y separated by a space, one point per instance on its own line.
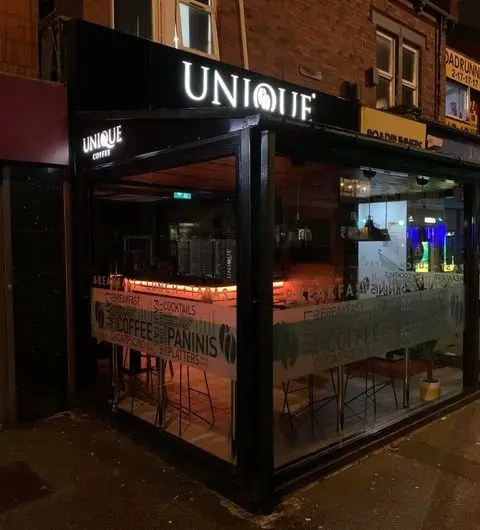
x=267 y=278
x=34 y=303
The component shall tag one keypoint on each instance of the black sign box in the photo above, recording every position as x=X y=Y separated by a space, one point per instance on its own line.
x=112 y=71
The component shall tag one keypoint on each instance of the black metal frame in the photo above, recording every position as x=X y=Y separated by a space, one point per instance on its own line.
x=255 y=482
x=338 y=145
x=253 y=150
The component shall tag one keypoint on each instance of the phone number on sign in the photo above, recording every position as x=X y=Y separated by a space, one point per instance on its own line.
x=464 y=78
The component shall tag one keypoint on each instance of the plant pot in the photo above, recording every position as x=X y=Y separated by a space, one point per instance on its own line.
x=429 y=390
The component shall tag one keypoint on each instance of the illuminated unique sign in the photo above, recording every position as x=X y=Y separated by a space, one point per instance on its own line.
x=206 y=84
x=430 y=220
x=101 y=143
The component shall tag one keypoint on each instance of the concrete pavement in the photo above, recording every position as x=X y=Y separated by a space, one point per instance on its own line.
x=89 y=476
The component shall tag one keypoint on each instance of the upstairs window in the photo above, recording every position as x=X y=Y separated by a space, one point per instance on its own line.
x=386 y=70
x=398 y=72
x=410 y=73
x=397 y=62
x=133 y=17
x=195 y=28
x=456 y=100
x=187 y=24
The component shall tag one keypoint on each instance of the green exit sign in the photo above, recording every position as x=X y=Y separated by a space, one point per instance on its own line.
x=182 y=195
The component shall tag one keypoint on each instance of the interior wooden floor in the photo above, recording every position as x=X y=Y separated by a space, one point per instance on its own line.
x=205 y=419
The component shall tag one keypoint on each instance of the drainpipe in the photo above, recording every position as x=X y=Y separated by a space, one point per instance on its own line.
x=243 y=34
x=445 y=21
x=438 y=67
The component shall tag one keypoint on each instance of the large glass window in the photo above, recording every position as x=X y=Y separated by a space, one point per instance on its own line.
x=164 y=299
x=368 y=297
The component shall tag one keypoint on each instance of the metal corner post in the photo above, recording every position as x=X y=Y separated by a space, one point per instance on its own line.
x=255 y=317
x=69 y=302
x=8 y=409
x=472 y=287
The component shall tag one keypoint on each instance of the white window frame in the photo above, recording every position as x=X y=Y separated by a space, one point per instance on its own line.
x=416 y=71
x=211 y=9
x=398 y=44
x=389 y=76
x=467 y=109
x=166 y=24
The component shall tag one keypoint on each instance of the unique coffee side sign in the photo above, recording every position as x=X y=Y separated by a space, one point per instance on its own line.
x=100 y=144
x=219 y=89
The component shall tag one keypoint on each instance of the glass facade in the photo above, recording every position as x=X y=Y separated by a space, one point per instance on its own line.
x=167 y=240
x=263 y=293
x=369 y=318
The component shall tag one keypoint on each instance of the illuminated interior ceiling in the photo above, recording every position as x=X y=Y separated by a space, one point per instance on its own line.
x=391 y=183
x=313 y=185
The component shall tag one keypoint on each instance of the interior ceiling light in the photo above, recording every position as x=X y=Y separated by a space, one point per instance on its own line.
x=370 y=232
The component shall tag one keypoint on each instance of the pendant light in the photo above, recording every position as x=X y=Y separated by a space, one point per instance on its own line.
x=370 y=232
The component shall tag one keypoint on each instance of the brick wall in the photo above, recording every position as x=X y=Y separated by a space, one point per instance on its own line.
x=337 y=38
x=18 y=37
x=97 y=11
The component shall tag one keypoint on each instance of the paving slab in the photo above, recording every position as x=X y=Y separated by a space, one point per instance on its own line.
x=79 y=473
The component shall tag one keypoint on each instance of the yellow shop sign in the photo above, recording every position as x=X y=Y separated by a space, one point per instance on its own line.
x=469 y=127
x=462 y=69
x=391 y=128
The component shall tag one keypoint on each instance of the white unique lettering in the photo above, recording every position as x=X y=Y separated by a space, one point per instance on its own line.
x=104 y=140
x=264 y=97
x=294 y=104
x=305 y=111
x=112 y=136
x=246 y=92
x=188 y=82
x=231 y=95
x=281 y=101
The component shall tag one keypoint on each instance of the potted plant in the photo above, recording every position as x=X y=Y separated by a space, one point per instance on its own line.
x=429 y=385
x=425 y=352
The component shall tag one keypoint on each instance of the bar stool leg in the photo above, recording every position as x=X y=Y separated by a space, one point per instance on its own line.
x=310 y=403
x=189 y=394
x=209 y=397
x=180 y=407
